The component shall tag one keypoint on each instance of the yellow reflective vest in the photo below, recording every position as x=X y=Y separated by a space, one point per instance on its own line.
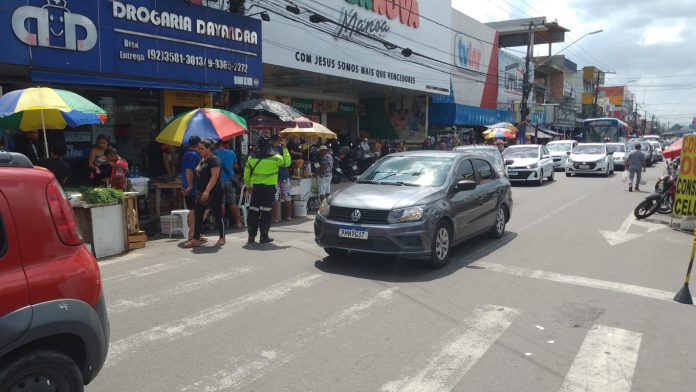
x=266 y=171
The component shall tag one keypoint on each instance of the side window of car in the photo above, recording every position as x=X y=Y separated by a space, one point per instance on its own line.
x=484 y=171
x=466 y=171
x=545 y=151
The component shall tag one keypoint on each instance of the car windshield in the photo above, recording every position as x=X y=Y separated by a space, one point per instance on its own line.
x=409 y=171
x=616 y=148
x=522 y=152
x=589 y=150
x=558 y=147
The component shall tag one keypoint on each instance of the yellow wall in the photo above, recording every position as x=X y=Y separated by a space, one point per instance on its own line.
x=587 y=98
x=188 y=99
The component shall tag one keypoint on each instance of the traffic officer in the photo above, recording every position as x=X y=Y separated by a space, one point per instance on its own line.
x=261 y=178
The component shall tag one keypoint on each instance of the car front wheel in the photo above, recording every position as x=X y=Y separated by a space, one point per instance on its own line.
x=442 y=243
x=42 y=371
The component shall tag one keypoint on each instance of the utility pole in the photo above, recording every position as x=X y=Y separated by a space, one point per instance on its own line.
x=652 y=124
x=526 y=84
x=596 y=94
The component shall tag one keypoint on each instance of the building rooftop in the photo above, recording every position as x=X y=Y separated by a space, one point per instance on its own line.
x=516 y=32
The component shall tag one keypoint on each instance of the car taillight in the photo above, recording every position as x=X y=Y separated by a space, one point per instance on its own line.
x=62 y=214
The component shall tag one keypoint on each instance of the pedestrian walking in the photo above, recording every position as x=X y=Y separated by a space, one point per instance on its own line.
x=189 y=162
x=209 y=194
x=324 y=173
x=228 y=179
x=635 y=163
x=261 y=179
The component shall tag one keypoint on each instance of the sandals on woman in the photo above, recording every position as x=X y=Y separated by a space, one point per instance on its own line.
x=192 y=244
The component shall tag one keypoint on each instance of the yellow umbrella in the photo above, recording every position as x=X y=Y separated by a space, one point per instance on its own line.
x=317 y=130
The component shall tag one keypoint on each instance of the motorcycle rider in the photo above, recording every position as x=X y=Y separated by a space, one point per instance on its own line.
x=635 y=161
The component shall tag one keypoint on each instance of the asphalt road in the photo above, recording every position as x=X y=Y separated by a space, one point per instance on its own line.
x=575 y=297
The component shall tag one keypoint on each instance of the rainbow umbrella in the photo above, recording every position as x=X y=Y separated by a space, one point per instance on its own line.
x=42 y=107
x=499 y=133
x=212 y=124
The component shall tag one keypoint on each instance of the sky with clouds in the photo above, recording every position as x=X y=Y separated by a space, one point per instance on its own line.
x=650 y=44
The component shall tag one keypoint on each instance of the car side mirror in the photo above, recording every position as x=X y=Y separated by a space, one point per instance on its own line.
x=545 y=156
x=466 y=185
x=509 y=162
x=567 y=152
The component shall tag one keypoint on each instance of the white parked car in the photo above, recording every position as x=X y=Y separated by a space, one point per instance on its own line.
x=619 y=153
x=529 y=162
x=559 y=151
x=590 y=158
x=658 y=149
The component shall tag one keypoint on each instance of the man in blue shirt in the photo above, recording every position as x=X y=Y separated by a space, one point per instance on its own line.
x=228 y=162
x=189 y=161
x=284 y=187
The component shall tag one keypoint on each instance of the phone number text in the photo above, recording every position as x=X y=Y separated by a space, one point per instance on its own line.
x=199 y=61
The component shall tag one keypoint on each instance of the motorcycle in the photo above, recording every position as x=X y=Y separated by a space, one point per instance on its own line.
x=661 y=201
x=337 y=174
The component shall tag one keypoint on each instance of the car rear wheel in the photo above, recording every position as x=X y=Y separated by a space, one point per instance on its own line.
x=42 y=371
x=498 y=229
x=553 y=175
x=442 y=243
x=338 y=253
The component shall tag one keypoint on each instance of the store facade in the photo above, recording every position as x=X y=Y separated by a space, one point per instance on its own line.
x=473 y=101
x=143 y=61
x=362 y=68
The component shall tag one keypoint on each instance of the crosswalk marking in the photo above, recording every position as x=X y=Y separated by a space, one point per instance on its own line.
x=151 y=269
x=123 y=348
x=606 y=361
x=265 y=361
x=125 y=305
x=460 y=350
x=579 y=281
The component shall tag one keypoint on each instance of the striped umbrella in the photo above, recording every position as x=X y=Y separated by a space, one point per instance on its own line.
x=42 y=107
x=212 y=124
x=499 y=133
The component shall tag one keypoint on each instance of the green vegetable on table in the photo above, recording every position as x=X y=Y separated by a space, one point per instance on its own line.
x=101 y=195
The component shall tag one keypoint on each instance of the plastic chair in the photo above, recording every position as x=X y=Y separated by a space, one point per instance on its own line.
x=244 y=202
x=181 y=224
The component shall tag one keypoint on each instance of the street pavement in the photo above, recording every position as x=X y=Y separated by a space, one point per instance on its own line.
x=575 y=297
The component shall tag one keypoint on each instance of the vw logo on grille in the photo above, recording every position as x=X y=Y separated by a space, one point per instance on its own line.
x=356 y=215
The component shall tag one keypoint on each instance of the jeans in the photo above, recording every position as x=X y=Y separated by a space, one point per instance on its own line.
x=634 y=173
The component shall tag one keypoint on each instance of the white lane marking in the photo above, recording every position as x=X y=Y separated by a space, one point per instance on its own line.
x=622 y=235
x=150 y=269
x=187 y=326
x=266 y=361
x=125 y=305
x=549 y=215
x=120 y=259
x=461 y=349
x=606 y=361
x=580 y=281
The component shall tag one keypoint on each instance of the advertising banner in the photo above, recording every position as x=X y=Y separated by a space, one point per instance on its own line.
x=149 y=39
x=685 y=200
x=343 y=44
x=511 y=71
x=475 y=51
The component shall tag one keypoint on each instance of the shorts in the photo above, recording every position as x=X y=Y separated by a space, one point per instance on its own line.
x=284 y=190
x=229 y=193
x=324 y=185
x=190 y=202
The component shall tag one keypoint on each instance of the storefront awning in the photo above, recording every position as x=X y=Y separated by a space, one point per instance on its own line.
x=448 y=114
x=66 y=78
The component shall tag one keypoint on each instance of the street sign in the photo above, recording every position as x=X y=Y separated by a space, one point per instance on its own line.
x=685 y=200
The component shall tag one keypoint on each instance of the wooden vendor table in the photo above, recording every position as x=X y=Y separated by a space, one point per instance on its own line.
x=158 y=195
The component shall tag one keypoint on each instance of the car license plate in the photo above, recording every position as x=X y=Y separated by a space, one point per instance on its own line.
x=352 y=232
x=584 y=166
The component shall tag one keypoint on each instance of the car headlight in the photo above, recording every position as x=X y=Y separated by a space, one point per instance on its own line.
x=325 y=208
x=533 y=166
x=602 y=160
x=410 y=214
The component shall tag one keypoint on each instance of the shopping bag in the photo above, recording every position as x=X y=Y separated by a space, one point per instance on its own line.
x=624 y=176
x=643 y=180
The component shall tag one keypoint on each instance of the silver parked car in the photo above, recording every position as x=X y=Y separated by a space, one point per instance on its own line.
x=416 y=204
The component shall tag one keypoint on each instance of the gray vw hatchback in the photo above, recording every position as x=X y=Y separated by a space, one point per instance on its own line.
x=417 y=205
